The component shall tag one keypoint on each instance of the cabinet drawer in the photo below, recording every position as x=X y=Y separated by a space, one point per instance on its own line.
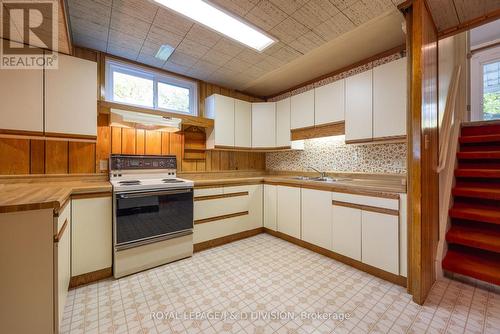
x=220 y=228
x=379 y=202
x=208 y=191
x=221 y=206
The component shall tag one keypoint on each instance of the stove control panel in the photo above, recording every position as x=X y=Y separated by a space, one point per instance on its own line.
x=131 y=162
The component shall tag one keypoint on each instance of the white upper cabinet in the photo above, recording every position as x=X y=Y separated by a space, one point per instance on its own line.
x=21 y=93
x=302 y=110
x=264 y=125
x=283 y=123
x=329 y=103
x=221 y=109
x=317 y=217
x=242 y=124
x=358 y=107
x=71 y=97
x=389 y=99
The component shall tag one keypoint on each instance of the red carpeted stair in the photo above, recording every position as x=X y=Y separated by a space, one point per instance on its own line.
x=474 y=236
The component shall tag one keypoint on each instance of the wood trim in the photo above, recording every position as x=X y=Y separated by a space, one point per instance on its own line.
x=486 y=47
x=390 y=138
x=368 y=193
x=186 y=119
x=396 y=279
x=222 y=217
x=60 y=234
x=318 y=131
x=92 y=195
x=91 y=277
x=467 y=25
x=221 y=184
x=397 y=49
x=67 y=31
x=285 y=184
x=246 y=149
x=21 y=132
x=359 y=141
x=226 y=239
x=367 y=208
x=211 y=197
x=70 y=136
x=62 y=207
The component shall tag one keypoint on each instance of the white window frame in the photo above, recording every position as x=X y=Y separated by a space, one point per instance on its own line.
x=478 y=60
x=156 y=77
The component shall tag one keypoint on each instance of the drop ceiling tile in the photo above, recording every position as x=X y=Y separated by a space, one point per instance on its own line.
x=176 y=68
x=215 y=57
x=89 y=41
x=85 y=27
x=315 y=12
x=237 y=65
x=118 y=38
x=161 y=36
x=150 y=60
x=266 y=15
x=203 y=35
x=129 y=25
x=140 y=9
x=170 y=21
x=223 y=74
x=183 y=59
x=343 y=4
x=204 y=66
x=192 y=48
x=365 y=10
x=286 y=54
x=93 y=11
x=288 y=30
x=228 y=47
x=251 y=56
x=307 y=42
x=236 y=7
x=289 y=6
x=199 y=73
x=334 y=27
x=122 y=51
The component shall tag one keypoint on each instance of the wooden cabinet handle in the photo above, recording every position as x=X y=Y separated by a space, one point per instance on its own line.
x=59 y=235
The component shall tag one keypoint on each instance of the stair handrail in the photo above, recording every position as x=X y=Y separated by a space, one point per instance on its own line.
x=449 y=118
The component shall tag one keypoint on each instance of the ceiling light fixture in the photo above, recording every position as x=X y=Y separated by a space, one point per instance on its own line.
x=216 y=19
x=164 y=52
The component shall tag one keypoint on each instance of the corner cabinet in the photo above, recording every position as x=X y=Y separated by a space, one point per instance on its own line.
x=359 y=107
x=242 y=124
x=221 y=109
x=283 y=135
x=288 y=211
x=71 y=98
x=270 y=206
x=264 y=125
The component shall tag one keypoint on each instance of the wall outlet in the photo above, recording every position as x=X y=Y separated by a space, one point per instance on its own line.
x=103 y=165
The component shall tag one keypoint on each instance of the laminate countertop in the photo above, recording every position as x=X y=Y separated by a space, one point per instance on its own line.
x=25 y=196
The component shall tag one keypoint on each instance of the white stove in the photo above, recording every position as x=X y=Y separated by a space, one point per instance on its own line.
x=152 y=213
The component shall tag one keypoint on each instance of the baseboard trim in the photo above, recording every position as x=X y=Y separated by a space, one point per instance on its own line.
x=226 y=239
x=91 y=277
x=396 y=279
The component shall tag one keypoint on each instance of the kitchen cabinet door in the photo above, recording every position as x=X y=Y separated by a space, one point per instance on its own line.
x=302 y=110
x=71 y=97
x=359 y=107
x=91 y=235
x=21 y=93
x=317 y=217
x=389 y=99
x=242 y=124
x=264 y=125
x=270 y=207
x=380 y=241
x=329 y=103
x=283 y=123
x=289 y=211
x=221 y=109
x=346 y=231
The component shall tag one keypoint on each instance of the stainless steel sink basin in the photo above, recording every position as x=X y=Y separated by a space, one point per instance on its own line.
x=319 y=179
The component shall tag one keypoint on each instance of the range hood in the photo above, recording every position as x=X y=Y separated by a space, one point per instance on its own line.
x=132 y=119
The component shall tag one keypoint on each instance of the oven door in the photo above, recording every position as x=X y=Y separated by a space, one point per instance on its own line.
x=146 y=217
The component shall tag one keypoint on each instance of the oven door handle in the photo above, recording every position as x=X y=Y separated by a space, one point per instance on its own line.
x=155 y=193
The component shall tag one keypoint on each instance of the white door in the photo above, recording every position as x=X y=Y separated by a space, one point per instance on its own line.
x=242 y=124
x=380 y=241
x=71 y=97
x=289 y=211
x=283 y=123
x=21 y=96
x=389 y=99
x=329 y=103
x=485 y=85
x=317 y=217
x=302 y=110
x=270 y=203
x=264 y=125
x=222 y=109
x=346 y=231
x=358 y=107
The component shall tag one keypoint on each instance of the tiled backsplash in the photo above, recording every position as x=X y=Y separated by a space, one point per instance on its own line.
x=331 y=154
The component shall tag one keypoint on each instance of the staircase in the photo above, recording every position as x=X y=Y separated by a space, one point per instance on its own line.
x=474 y=236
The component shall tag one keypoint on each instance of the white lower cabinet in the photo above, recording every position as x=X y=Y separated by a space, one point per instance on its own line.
x=317 y=217
x=270 y=202
x=346 y=232
x=380 y=241
x=63 y=246
x=91 y=235
x=288 y=210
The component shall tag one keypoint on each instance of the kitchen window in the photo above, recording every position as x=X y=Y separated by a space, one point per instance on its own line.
x=136 y=86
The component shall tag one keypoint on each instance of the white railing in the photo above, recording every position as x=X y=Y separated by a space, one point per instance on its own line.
x=450 y=119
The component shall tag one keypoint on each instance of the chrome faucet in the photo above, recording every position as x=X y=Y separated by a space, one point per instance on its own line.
x=322 y=174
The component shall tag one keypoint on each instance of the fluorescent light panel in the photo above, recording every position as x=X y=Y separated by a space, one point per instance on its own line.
x=212 y=17
x=164 y=52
